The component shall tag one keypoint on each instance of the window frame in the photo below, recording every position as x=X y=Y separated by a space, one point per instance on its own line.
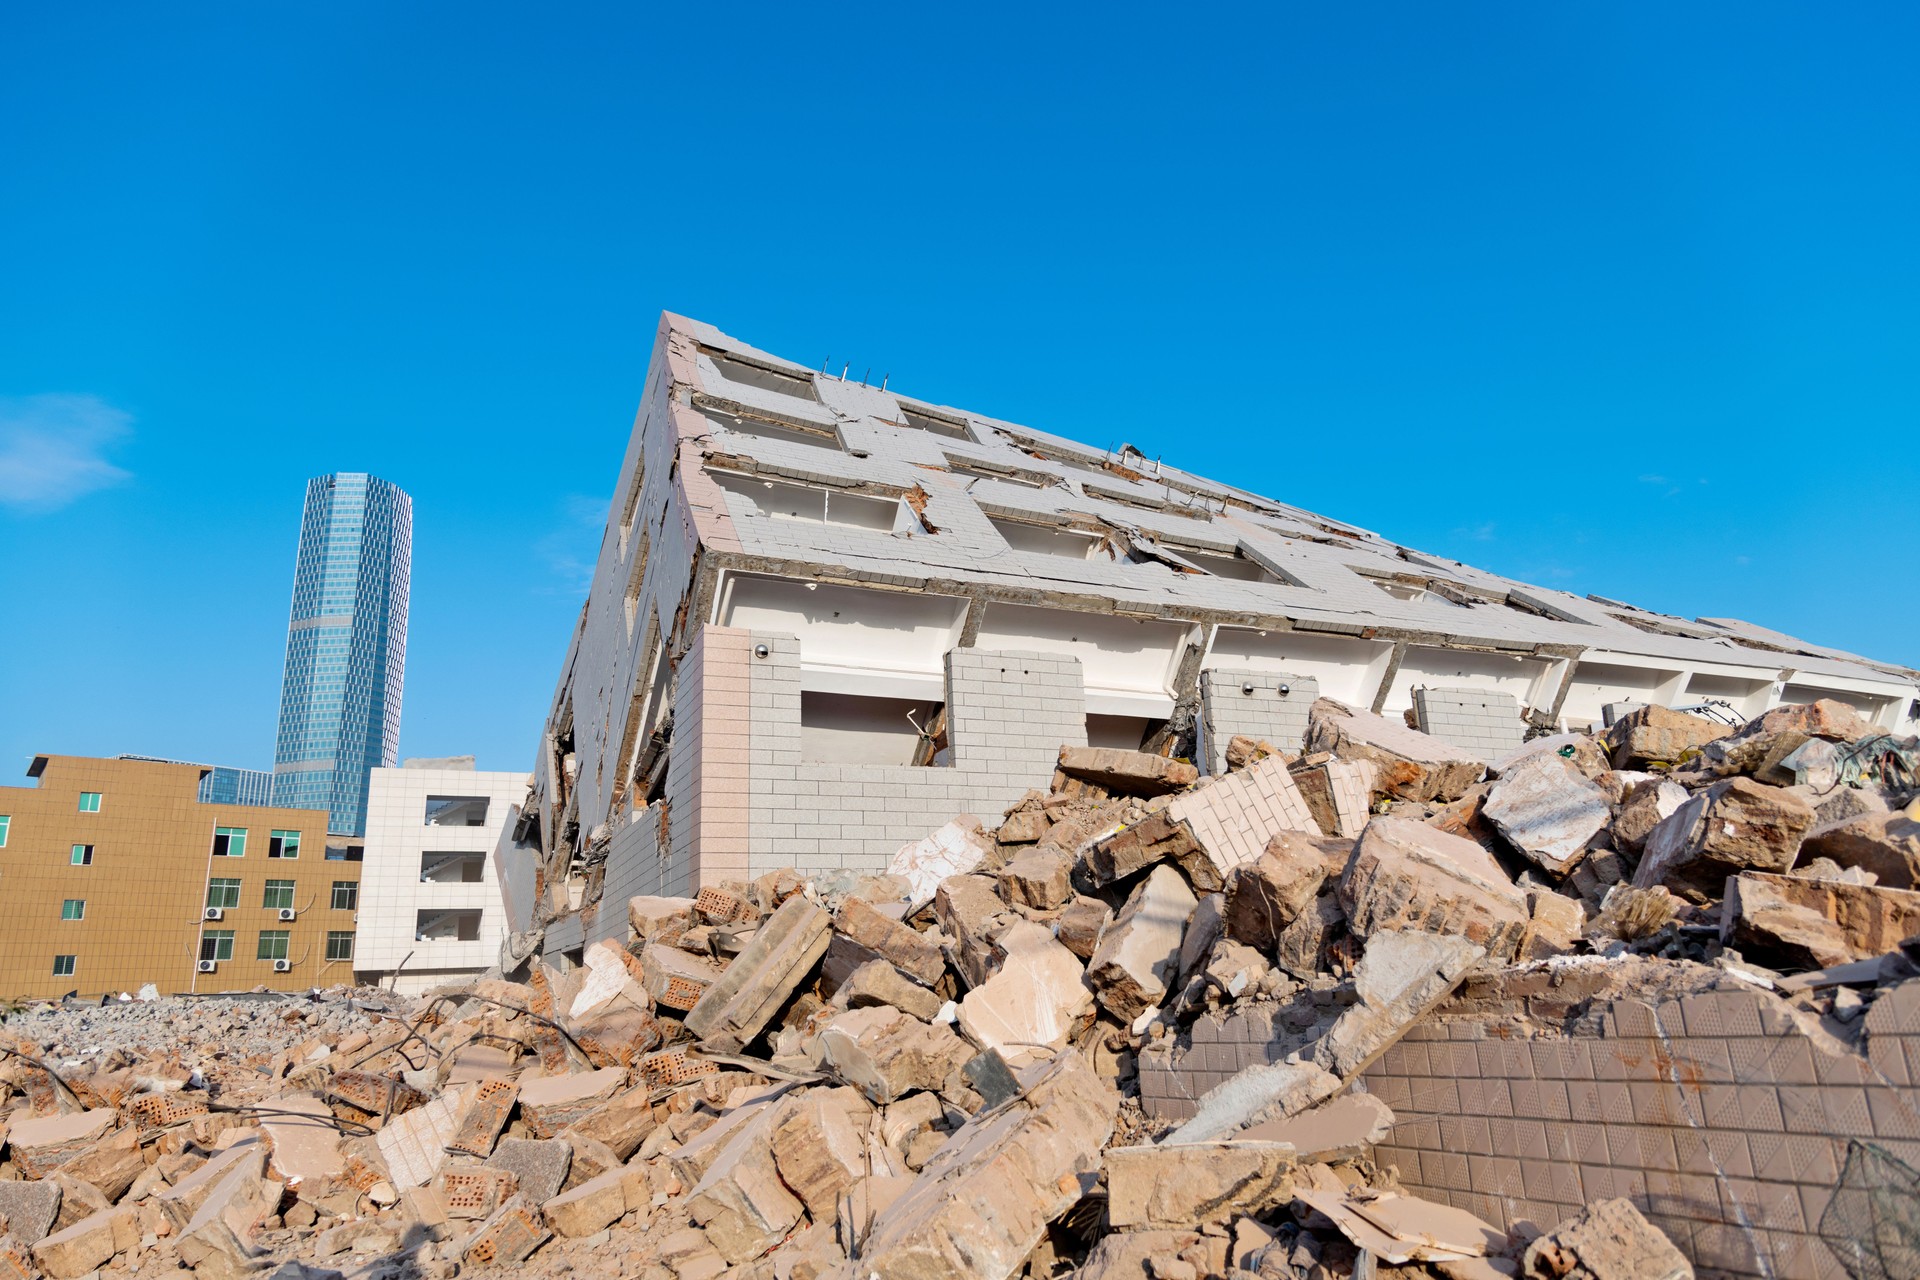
x=72 y=909
x=81 y=855
x=268 y=939
x=283 y=844
x=334 y=936
x=228 y=834
x=218 y=938
x=98 y=797
x=225 y=885
x=6 y=827
x=353 y=893
x=272 y=887
x=73 y=963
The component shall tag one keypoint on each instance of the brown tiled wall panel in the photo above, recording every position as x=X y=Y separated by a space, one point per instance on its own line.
x=1715 y=1114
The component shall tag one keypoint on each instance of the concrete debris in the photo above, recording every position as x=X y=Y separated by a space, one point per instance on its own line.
x=1153 y=1024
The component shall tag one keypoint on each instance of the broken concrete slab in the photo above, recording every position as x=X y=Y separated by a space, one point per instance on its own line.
x=877 y=982
x=40 y=1144
x=1405 y=875
x=956 y=849
x=1791 y=923
x=971 y=913
x=819 y=1145
x=1645 y=806
x=1653 y=734
x=1269 y=1091
x=552 y=1103
x=906 y=949
x=538 y=1165
x=511 y=1235
x=1402 y=976
x=306 y=1143
x=1608 y=1240
x=1733 y=826
x=887 y=1054
x=1548 y=810
x=1887 y=844
x=592 y=1206
x=1302 y=948
x=1412 y=765
x=1344 y=1128
x=741 y=1202
x=1266 y=895
x=1041 y=879
x=1220 y=824
x=1080 y=925
x=1134 y=773
x=1032 y=1005
x=761 y=978
x=88 y=1244
x=1339 y=793
x=1768 y=739
x=978 y=1208
x=414 y=1145
x=1134 y=965
x=676 y=979
x=1185 y=1185
x=29 y=1208
x=1465 y=1235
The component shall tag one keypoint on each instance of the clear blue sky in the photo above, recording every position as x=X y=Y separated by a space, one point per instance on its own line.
x=1613 y=298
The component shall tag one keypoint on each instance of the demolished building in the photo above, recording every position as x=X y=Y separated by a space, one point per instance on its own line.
x=826 y=617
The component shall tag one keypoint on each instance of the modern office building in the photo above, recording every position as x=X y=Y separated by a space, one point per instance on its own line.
x=346 y=647
x=224 y=784
x=827 y=617
x=433 y=910
x=116 y=875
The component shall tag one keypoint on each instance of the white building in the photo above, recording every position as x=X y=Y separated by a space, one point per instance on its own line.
x=430 y=908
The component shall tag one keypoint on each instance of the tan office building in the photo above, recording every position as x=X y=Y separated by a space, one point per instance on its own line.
x=114 y=875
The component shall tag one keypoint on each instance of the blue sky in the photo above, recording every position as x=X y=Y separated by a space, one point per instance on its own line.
x=1613 y=298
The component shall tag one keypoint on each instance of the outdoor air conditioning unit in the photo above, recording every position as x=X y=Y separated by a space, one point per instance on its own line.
x=283 y=966
x=211 y=913
x=288 y=913
x=206 y=966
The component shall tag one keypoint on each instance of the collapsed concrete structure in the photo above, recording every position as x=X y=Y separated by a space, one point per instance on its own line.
x=826 y=617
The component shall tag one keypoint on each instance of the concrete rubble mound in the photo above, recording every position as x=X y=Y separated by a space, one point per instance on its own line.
x=1359 y=1011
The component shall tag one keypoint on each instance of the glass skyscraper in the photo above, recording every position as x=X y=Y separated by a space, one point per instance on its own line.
x=346 y=648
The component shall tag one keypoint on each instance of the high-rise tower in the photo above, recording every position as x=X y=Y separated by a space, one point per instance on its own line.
x=346 y=647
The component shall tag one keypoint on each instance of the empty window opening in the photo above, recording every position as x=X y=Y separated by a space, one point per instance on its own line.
x=447 y=926
x=346 y=895
x=283 y=844
x=456 y=811
x=278 y=895
x=216 y=944
x=82 y=855
x=339 y=944
x=938 y=423
x=846 y=728
x=453 y=868
x=224 y=894
x=63 y=966
x=1222 y=564
x=1126 y=733
x=767 y=429
x=1047 y=540
x=749 y=373
x=73 y=909
x=273 y=944
x=229 y=842
x=810 y=504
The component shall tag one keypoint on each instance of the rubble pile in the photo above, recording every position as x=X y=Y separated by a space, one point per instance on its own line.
x=935 y=1070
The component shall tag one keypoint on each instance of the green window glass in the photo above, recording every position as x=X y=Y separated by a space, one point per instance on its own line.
x=279 y=895
x=89 y=802
x=216 y=944
x=283 y=844
x=82 y=855
x=223 y=893
x=5 y=823
x=346 y=895
x=339 y=944
x=273 y=944
x=63 y=966
x=229 y=842
x=73 y=909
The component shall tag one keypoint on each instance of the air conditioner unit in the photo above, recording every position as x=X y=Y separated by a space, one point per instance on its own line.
x=283 y=966
x=206 y=966
x=212 y=913
x=288 y=913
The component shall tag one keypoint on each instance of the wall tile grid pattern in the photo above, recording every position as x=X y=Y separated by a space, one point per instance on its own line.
x=1481 y=720
x=1720 y=1119
x=1226 y=709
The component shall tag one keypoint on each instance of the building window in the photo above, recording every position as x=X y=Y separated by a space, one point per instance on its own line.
x=224 y=894
x=73 y=909
x=456 y=811
x=346 y=895
x=283 y=844
x=82 y=855
x=273 y=944
x=5 y=823
x=89 y=802
x=229 y=842
x=63 y=966
x=216 y=944
x=339 y=944
x=279 y=895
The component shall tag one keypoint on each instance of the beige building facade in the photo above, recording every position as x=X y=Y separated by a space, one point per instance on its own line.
x=114 y=875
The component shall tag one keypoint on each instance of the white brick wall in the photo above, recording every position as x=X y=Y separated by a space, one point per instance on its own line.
x=1480 y=720
x=1226 y=710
